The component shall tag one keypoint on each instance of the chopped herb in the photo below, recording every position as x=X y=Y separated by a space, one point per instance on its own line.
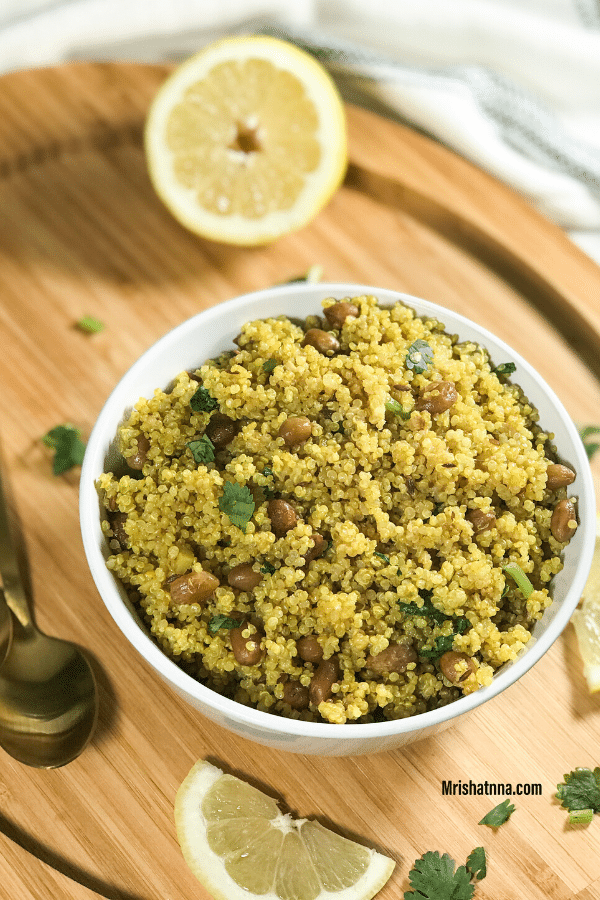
x=382 y=556
x=581 y=816
x=394 y=407
x=419 y=356
x=269 y=365
x=504 y=369
x=438 y=508
x=498 y=815
x=518 y=575
x=90 y=324
x=427 y=609
x=443 y=644
x=314 y=274
x=237 y=502
x=267 y=472
x=218 y=622
x=267 y=568
x=580 y=790
x=265 y=488
x=69 y=449
x=202 y=401
x=476 y=864
x=434 y=877
x=591 y=447
x=203 y=450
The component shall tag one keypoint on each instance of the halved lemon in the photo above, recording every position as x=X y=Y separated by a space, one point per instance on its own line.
x=240 y=845
x=586 y=621
x=246 y=141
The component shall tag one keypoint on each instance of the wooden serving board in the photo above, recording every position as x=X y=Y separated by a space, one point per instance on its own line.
x=82 y=233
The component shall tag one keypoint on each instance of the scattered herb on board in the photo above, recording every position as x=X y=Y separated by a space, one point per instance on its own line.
x=591 y=447
x=218 y=622
x=476 y=863
x=580 y=794
x=394 y=407
x=68 y=447
x=498 y=815
x=203 y=450
x=237 y=502
x=202 y=401
x=434 y=877
x=419 y=356
x=313 y=275
x=269 y=365
x=507 y=368
x=90 y=325
x=518 y=575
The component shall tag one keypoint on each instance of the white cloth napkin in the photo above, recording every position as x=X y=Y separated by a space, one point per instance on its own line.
x=513 y=85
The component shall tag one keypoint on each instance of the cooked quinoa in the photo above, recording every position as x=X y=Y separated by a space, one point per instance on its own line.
x=317 y=524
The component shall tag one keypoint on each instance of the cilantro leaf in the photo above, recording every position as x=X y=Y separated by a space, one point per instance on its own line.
x=237 y=502
x=591 y=447
x=218 y=622
x=580 y=790
x=90 y=325
x=427 y=609
x=394 y=407
x=498 y=815
x=419 y=356
x=443 y=644
x=203 y=450
x=504 y=369
x=269 y=365
x=433 y=877
x=382 y=556
x=68 y=447
x=476 y=863
x=202 y=401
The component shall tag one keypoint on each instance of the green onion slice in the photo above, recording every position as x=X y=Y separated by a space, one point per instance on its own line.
x=518 y=575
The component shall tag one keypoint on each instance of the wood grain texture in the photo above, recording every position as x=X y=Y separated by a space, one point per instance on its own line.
x=83 y=233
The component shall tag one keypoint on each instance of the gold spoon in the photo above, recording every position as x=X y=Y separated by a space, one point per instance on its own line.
x=48 y=694
x=5 y=629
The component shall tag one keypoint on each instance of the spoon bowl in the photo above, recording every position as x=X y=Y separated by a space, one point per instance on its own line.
x=48 y=694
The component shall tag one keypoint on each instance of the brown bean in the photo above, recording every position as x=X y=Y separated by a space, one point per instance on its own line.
x=296 y=695
x=243 y=577
x=456 y=666
x=481 y=520
x=326 y=675
x=282 y=516
x=437 y=398
x=395 y=658
x=295 y=431
x=247 y=650
x=309 y=649
x=337 y=314
x=559 y=476
x=323 y=341
x=221 y=430
x=563 y=523
x=117 y=523
x=139 y=457
x=193 y=587
x=317 y=549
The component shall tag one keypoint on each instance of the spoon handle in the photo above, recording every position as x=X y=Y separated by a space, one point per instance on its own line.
x=12 y=581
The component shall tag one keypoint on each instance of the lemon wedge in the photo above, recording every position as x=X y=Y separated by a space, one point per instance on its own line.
x=246 y=141
x=586 y=620
x=240 y=845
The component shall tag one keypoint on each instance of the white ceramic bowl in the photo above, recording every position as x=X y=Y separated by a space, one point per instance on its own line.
x=204 y=336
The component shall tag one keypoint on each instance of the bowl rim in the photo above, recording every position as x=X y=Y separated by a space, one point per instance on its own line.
x=141 y=640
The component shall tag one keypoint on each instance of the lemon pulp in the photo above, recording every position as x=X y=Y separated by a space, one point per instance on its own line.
x=240 y=845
